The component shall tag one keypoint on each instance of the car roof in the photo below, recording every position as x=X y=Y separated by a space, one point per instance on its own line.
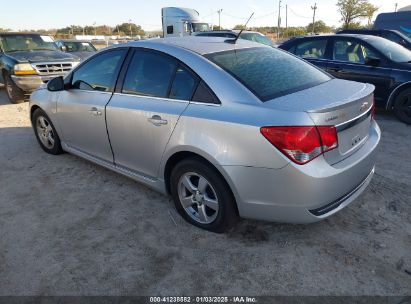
x=199 y=45
x=72 y=40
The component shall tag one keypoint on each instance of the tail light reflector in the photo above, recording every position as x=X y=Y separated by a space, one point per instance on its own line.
x=303 y=143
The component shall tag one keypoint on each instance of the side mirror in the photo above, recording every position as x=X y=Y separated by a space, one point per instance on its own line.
x=63 y=48
x=56 y=84
x=372 y=61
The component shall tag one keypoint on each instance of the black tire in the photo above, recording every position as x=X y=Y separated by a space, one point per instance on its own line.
x=55 y=148
x=402 y=106
x=226 y=215
x=14 y=93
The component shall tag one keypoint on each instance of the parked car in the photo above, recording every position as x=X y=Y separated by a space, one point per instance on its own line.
x=393 y=35
x=224 y=128
x=247 y=35
x=82 y=49
x=28 y=60
x=370 y=59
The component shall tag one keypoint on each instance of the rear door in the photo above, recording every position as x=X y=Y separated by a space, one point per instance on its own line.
x=144 y=112
x=312 y=50
x=81 y=108
x=350 y=61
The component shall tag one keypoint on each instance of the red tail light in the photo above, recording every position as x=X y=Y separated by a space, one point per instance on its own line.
x=302 y=144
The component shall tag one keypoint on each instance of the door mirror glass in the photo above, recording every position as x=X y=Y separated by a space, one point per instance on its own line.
x=56 y=84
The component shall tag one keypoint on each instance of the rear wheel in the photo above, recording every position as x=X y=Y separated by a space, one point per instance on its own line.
x=14 y=93
x=45 y=132
x=201 y=196
x=402 y=106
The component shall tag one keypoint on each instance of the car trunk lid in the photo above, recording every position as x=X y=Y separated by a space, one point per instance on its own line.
x=346 y=105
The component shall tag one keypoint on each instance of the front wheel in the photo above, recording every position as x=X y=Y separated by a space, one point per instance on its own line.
x=201 y=196
x=402 y=106
x=46 y=133
x=14 y=93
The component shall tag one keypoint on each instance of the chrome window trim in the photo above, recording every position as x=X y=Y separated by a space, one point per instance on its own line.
x=152 y=97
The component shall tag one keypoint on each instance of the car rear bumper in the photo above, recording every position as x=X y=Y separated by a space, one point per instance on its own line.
x=303 y=194
x=31 y=83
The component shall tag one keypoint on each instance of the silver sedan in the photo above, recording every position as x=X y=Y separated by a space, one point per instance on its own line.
x=227 y=129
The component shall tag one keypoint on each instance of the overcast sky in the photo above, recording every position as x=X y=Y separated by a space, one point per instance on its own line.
x=29 y=14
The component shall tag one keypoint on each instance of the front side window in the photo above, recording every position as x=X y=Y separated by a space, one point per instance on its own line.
x=314 y=49
x=352 y=51
x=392 y=50
x=149 y=74
x=100 y=73
x=269 y=72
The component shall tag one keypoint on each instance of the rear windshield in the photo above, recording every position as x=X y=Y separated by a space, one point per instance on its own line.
x=269 y=72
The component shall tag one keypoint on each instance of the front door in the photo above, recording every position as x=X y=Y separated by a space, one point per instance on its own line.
x=81 y=108
x=141 y=119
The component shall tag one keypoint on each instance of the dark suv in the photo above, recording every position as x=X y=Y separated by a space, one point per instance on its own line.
x=393 y=35
x=362 y=58
x=28 y=60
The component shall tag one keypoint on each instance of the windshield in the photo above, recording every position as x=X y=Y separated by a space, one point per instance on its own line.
x=257 y=38
x=269 y=72
x=78 y=46
x=392 y=50
x=200 y=27
x=29 y=42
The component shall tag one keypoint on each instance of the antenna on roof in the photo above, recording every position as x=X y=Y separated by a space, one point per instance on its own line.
x=234 y=41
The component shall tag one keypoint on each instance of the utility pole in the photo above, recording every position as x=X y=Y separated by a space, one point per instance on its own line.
x=219 y=18
x=286 y=17
x=314 y=8
x=95 y=29
x=279 y=19
x=131 y=31
x=396 y=7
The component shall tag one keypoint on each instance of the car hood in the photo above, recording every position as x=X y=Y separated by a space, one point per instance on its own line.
x=41 y=56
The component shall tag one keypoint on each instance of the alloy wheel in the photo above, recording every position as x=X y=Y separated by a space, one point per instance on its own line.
x=198 y=198
x=45 y=132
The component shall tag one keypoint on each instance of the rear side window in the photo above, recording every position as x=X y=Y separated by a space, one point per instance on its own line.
x=149 y=74
x=269 y=72
x=100 y=73
x=183 y=85
x=314 y=49
x=204 y=94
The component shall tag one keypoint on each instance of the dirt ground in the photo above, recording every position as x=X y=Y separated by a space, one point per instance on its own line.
x=69 y=227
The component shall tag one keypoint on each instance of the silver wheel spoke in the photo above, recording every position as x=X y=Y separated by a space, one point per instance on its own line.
x=202 y=214
x=189 y=186
x=210 y=203
x=50 y=138
x=187 y=201
x=42 y=122
x=202 y=184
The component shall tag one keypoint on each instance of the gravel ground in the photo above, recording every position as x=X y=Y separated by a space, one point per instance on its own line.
x=69 y=227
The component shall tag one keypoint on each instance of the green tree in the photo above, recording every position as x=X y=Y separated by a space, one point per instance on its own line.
x=352 y=10
x=239 y=27
x=320 y=27
x=129 y=29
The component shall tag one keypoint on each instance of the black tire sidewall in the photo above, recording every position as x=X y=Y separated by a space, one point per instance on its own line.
x=227 y=214
x=57 y=144
x=400 y=114
x=17 y=95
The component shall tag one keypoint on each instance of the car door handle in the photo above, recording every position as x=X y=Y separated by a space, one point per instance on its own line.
x=157 y=121
x=95 y=112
